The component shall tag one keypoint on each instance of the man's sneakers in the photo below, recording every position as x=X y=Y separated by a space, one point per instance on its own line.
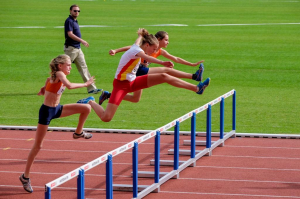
x=86 y=100
x=95 y=91
x=202 y=86
x=82 y=135
x=104 y=96
x=26 y=183
x=199 y=73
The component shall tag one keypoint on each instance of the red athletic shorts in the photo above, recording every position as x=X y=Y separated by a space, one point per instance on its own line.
x=121 y=88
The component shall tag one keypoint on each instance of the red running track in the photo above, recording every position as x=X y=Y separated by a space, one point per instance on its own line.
x=257 y=168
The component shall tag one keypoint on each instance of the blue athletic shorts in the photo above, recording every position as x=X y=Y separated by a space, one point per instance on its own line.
x=143 y=70
x=48 y=113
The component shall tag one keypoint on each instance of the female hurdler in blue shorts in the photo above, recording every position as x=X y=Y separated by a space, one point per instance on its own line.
x=126 y=80
x=51 y=109
x=163 y=39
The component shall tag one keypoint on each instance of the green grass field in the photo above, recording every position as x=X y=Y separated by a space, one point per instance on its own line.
x=252 y=46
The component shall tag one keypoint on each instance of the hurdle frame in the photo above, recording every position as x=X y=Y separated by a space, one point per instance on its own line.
x=108 y=157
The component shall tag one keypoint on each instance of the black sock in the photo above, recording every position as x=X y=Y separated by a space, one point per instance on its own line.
x=79 y=133
x=24 y=177
x=194 y=76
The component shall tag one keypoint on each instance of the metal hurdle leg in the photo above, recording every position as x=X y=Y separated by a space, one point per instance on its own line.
x=176 y=146
x=47 y=192
x=80 y=184
x=222 y=120
x=193 y=136
x=135 y=169
x=157 y=157
x=208 y=129
x=109 y=178
x=234 y=111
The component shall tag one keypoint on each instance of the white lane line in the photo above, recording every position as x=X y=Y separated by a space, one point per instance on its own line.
x=258 y=157
x=227 y=194
x=232 y=180
x=247 y=168
x=262 y=147
x=77 y=151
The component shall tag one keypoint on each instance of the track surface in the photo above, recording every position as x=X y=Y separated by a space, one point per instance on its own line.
x=243 y=168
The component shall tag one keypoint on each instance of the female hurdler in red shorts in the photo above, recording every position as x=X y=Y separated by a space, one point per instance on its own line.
x=163 y=40
x=51 y=109
x=126 y=80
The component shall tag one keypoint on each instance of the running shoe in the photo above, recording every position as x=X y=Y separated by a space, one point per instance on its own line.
x=95 y=91
x=104 y=96
x=199 y=73
x=203 y=85
x=86 y=100
x=82 y=135
x=26 y=183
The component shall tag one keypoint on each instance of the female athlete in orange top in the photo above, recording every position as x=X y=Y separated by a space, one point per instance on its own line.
x=51 y=109
x=163 y=39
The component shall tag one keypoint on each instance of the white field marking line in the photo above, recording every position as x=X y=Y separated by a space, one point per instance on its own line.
x=262 y=147
x=26 y=27
x=227 y=194
x=247 y=168
x=182 y=25
x=239 y=156
x=168 y=25
x=230 y=180
x=257 y=24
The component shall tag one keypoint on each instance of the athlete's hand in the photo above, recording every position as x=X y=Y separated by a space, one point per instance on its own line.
x=197 y=63
x=42 y=91
x=90 y=81
x=168 y=64
x=112 y=52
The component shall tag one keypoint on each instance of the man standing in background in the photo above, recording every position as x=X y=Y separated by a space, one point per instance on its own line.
x=72 y=47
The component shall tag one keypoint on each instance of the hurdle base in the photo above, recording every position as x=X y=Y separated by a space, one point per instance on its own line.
x=168 y=163
x=129 y=188
x=181 y=152
x=197 y=142
x=151 y=174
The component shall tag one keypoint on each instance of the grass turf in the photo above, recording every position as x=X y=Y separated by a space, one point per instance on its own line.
x=258 y=56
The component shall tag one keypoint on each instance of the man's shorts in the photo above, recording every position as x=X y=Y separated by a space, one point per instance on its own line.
x=47 y=113
x=142 y=70
x=121 y=88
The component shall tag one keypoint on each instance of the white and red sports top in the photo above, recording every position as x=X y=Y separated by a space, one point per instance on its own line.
x=129 y=64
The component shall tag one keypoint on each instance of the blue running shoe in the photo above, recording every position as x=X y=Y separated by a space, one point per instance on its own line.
x=95 y=91
x=86 y=100
x=199 y=73
x=202 y=86
x=104 y=96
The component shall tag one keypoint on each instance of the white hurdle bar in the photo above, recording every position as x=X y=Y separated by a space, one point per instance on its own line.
x=79 y=172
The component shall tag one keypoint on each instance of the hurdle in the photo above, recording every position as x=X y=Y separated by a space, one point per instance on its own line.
x=140 y=191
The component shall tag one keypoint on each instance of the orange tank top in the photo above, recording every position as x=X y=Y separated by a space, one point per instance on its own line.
x=57 y=88
x=155 y=55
